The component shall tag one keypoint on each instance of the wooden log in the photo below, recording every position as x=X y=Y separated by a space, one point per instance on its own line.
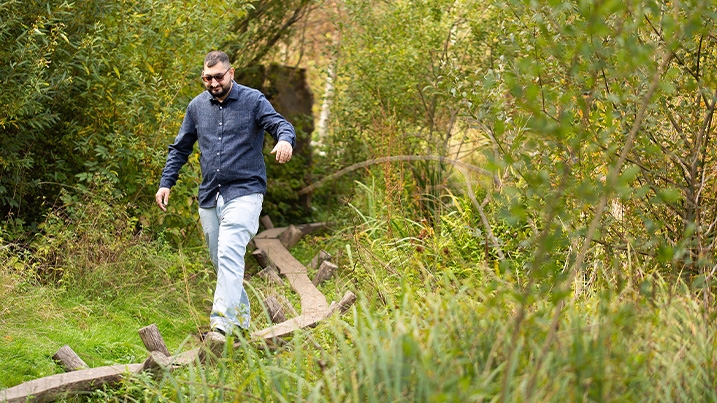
x=325 y=272
x=291 y=236
x=274 y=309
x=266 y=222
x=52 y=387
x=270 y=274
x=213 y=347
x=153 y=340
x=346 y=301
x=320 y=257
x=69 y=359
x=186 y=357
x=156 y=363
x=286 y=304
x=309 y=228
x=261 y=257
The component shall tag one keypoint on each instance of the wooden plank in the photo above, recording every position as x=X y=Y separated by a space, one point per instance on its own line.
x=289 y=326
x=270 y=233
x=312 y=300
x=51 y=387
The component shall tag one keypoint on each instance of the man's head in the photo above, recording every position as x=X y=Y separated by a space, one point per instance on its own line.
x=218 y=74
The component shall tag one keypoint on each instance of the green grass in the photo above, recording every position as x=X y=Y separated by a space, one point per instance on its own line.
x=97 y=315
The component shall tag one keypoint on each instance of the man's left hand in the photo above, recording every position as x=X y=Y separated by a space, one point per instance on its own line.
x=283 y=151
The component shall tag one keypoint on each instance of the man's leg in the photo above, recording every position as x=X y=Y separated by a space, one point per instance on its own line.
x=228 y=229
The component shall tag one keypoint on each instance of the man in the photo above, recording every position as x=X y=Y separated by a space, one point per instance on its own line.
x=228 y=120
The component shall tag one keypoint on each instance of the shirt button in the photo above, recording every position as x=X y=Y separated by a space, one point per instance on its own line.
x=220 y=138
x=220 y=123
x=217 y=153
x=217 y=170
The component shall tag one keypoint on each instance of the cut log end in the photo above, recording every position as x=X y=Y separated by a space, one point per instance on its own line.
x=266 y=222
x=261 y=257
x=291 y=236
x=320 y=257
x=269 y=274
x=274 y=309
x=156 y=363
x=346 y=301
x=69 y=359
x=326 y=270
x=153 y=340
x=213 y=347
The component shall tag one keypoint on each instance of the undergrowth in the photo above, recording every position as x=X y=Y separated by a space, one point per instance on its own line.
x=436 y=320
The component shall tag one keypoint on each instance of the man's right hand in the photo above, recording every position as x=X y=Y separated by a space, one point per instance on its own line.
x=162 y=198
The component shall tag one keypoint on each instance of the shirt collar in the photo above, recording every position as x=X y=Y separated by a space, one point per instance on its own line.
x=233 y=95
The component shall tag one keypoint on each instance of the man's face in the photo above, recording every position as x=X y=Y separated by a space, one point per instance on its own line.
x=219 y=88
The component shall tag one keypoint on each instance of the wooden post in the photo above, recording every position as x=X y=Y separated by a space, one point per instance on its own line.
x=325 y=272
x=153 y=340
x=290 y=236
x=346 y=301
x=309 y=228
x=274 y=309
x=261 y=257
x=266 y=222
x=155 y=363
x=213 y=347
x=320 y=257
x=286 y=304
x=270 y=275
x=69 y=359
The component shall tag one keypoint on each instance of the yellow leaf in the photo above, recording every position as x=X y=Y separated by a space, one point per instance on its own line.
x=116 y=71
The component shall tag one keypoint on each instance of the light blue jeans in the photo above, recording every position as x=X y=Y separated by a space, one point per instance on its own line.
x=228 y=228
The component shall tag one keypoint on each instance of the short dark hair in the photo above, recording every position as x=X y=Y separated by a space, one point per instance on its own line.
x=214 y=57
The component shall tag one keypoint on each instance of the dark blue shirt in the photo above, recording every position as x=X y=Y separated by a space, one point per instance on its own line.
x=231 y=139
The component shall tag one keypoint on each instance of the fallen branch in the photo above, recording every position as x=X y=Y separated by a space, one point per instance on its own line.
x=395 y=158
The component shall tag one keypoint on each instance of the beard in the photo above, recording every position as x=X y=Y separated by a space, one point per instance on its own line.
x=220 y=90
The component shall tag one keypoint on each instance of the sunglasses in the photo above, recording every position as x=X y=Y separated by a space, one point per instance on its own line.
x=218 y=77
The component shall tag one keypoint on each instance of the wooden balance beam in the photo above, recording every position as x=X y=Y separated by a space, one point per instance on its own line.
x=272 y=246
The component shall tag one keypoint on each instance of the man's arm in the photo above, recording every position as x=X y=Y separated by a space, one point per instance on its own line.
x=178 y=155
x=278 y=127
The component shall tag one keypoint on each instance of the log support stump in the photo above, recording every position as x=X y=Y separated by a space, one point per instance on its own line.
x=274 y=309
x=153 y=340
x=69 y=359
x=326 y=270
x=320 y=257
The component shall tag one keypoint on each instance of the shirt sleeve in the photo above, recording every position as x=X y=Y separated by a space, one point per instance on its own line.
x=271 y=121
x=179 y=151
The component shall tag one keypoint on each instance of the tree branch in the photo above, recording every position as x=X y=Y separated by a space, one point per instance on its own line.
x=395 y=158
